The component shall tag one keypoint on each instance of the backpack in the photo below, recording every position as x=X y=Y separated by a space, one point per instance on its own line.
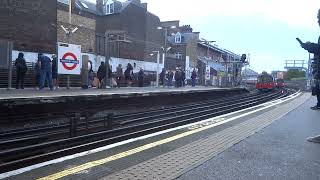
x=21 y=65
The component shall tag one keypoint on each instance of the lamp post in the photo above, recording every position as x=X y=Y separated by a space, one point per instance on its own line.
x=69 y=31
x=207 y=43
x=165 y=49
x=157 y=71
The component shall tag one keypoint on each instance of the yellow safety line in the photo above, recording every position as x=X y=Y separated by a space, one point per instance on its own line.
x=92 y=164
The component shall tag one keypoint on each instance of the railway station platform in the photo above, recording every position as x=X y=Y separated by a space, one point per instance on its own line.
x=267 y=141
x=36 y=96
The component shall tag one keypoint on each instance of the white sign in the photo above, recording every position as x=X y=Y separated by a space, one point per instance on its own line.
x=207 y=72
x=69 y=59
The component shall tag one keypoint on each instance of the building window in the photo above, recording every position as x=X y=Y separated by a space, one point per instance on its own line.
x=177 y=38
x=64 y=2
x=178 y=55
x=108 y=6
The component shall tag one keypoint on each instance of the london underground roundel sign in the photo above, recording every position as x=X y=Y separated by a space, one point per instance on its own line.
x=69 y=59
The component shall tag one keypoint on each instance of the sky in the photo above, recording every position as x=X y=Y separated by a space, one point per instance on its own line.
x=265 y=29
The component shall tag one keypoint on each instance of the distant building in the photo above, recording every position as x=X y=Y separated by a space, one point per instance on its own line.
x=278 y=74
x=183 y=42
x=250 y=76
x=30 y=25
x=221 y=62
x=131 y=28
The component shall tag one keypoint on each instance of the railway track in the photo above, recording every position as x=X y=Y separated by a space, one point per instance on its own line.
x=23 y=147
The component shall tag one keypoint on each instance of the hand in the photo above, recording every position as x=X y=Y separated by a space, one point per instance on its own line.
x=306 y=45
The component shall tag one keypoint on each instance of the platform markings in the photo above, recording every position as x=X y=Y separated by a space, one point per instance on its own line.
x=197 y=127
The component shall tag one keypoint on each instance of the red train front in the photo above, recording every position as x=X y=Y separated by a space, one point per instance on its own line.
x=265 y=82
x=281 y=83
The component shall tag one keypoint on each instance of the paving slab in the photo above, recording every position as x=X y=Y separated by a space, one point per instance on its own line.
x=279 y=151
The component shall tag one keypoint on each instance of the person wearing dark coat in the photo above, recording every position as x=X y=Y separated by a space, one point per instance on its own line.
x=314 y=48
x=170 y=78
x=21 y=69
x=163 y=77
x=183 y=78
x=101 y=74
x=119 y=75
x=128 y=74
x=140 y=78
x=193 y=78
x=177 y=77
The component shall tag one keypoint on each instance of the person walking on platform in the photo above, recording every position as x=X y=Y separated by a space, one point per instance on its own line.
x=193 y=78
x=46 y=71
x=101 y=74
x=55 y=72
x=314 y=48
x=119 y=75
x=21 y=69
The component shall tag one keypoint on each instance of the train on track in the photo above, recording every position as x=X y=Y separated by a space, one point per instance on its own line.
x=280 y=83
x=265 y=82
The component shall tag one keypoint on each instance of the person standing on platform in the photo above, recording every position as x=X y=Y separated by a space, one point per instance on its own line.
x=21 y=69
x=90 y=75
x=101 y=74
x=314 y=48
x=119 y=75
x=183 y=78
x=163 y=77
x=128 y=74
x=55 y=72
x=46 y=71
x=140 y=77
x=177 y=77
x=193 y=78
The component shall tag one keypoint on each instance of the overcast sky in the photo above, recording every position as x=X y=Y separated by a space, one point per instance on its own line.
x=264 y=28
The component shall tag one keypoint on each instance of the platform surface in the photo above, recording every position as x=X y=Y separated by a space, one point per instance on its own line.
x=74 y=92
x=279 y=151
x=264 y=142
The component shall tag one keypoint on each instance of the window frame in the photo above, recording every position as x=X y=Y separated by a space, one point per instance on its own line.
x=178 y=38
x=178 y=55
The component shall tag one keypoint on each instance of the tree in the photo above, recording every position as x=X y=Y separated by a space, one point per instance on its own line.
x=292 y=74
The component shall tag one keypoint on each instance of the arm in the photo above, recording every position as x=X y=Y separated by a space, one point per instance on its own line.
x=311 y=47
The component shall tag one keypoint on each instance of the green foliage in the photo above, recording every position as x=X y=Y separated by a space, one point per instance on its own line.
x=295 y=74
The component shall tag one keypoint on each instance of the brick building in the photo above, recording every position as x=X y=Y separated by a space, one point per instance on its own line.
x=83 y=20
x=132 y=30
x=183 y=42
x=30 y=25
